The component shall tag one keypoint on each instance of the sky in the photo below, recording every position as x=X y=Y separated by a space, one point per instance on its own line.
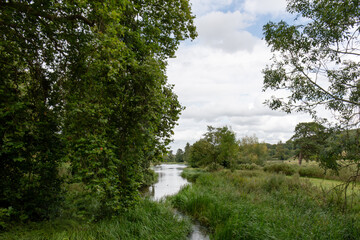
x=218 y=77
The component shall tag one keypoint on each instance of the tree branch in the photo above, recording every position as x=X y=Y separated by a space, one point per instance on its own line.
x=322 y=89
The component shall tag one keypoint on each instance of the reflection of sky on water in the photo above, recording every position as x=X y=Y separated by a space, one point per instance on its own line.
x=169 y=182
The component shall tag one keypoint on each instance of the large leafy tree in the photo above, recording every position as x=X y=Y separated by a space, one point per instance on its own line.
x=201 y=154
x=309 y=138
x=223 y=139
x=219 y=147
x=84 y=82
x=318 y=63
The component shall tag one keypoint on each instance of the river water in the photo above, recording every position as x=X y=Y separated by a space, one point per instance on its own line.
x=170 y=182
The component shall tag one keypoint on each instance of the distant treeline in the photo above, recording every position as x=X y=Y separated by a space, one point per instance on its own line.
x=220 y=146
x=311 y=141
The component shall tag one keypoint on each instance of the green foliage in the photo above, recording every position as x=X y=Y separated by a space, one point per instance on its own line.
x=341 y=145
x=317 y=63
x=314 y=61
x=251 y=151
x=309 y=138
x=225 y=145
x=169 y=157
x=150 y=178
x=281 y=151
x=201 y=153
x=311 y=171
x=187 y=152
x=191 y=174
x=247 y=166
x=83 y=82
x=280 y=168
x=148 y=220
x=179 y=157
x=240 y=205
x=218 y=148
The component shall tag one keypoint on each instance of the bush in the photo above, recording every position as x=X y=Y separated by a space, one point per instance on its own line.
x=311 y=171
x=150 y=177
x=274 y=183
x=247 y=166
x=191 y=174
x=280 y=168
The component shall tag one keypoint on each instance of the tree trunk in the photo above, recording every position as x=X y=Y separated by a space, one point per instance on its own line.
x=300 y=158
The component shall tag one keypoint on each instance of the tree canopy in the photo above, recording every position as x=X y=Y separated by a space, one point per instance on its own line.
x=83 y=82
x=317 y=61
x=218 y=147
x=309 y=138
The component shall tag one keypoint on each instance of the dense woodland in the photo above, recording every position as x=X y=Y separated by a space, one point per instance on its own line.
x=86 y=108
x=84 y=101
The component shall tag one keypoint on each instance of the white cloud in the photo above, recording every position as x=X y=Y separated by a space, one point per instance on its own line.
x=225 y=88
x=225 y=31
x=218 y=76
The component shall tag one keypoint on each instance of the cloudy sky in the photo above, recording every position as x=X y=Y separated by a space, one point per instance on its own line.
x=218 y=76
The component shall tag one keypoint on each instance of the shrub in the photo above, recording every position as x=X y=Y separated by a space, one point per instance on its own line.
x=191 y=174
x=247 y=166
x=280 y=168
x=311 y=171
x=274 y=183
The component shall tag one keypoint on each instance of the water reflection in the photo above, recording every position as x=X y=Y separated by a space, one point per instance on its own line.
x=170 y=182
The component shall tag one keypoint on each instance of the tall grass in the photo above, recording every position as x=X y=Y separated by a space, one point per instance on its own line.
x=313 y=170
x=258 y=205
x=149 y=220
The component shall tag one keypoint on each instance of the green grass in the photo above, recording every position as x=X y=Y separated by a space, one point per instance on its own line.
x=311 y=169
x=149 y=220
x=191 y=174
x=332 y=184
x=259 y=205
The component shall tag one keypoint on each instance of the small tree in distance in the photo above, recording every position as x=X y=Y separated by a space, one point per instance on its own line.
x=251 y=151
x=179 y=157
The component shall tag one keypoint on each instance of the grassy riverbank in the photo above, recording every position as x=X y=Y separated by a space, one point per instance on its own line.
x=259 y=205
x=149 y=220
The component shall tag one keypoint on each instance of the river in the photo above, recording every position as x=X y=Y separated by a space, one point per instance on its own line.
x=170 y=182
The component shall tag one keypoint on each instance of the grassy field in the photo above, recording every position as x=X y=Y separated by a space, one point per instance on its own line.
x=258 y=205
x=149 y=220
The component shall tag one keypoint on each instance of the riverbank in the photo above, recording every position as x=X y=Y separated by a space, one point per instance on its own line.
x=259 y=205
x=148 y=220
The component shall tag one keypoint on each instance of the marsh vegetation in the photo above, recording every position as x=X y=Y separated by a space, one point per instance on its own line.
x=254 y=204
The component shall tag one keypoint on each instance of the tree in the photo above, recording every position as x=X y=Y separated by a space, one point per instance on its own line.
x=84 y=82
x=317 y=62
x=251 y=151
x=169 y=157
x=219 y=147
x=309 y=138
x=187 y=152
x=201 y=154
x=179 y=157
x=225 y=145
x=280 y=151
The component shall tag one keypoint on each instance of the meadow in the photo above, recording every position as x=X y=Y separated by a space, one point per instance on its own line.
x=258 y=204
